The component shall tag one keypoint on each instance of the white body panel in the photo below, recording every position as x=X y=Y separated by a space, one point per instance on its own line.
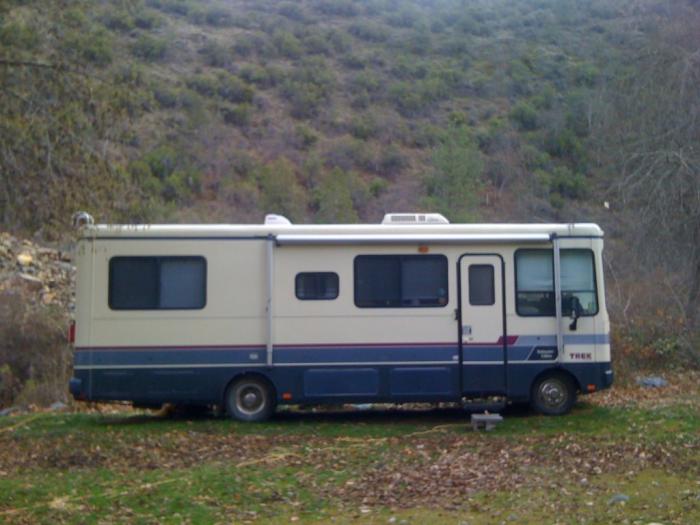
x=235 y=313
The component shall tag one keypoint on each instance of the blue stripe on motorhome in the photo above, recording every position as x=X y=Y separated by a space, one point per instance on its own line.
x=569 y=339
x=327 y=355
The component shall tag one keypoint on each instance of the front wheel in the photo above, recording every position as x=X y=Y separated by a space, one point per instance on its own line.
x=553 y=395
x=249 y=399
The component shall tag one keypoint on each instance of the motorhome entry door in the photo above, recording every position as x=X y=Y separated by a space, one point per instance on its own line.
x=483 y=341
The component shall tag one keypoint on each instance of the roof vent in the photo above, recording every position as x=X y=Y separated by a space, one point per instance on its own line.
x=82 y=218
x=414 y=218
x=271 y=218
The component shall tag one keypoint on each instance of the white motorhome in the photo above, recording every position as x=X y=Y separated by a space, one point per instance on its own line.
x=410 y=310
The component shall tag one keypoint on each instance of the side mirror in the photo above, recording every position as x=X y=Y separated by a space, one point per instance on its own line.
x=576 y=312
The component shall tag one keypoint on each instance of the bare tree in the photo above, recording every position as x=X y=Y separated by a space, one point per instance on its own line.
x=657 y=127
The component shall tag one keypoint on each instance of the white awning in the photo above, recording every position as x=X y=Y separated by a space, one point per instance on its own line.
x=472 y=238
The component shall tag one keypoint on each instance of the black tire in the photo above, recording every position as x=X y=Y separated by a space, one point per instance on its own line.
x=249 y=399
x=553 y=394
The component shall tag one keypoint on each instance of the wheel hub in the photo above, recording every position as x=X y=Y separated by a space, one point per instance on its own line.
x=250 y=399
x=552 y=393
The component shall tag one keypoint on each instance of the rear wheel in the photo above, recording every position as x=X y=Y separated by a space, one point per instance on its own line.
x=250 y=399
x=553 y=394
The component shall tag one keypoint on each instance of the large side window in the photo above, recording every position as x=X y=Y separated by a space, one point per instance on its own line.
x=534 y=278
x=316 y=285
x=157 y=283
x=400 y=281
x=578 y=280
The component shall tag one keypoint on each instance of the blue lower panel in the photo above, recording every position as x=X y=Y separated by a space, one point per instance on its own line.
x=420 y=381
x=480 y=380
x=333 y=382
x=337 y=384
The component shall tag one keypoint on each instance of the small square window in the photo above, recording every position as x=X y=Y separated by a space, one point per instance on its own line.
x=315 y=286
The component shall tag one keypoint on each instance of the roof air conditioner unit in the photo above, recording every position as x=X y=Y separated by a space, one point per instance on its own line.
x=414 y=218
x=272 y=219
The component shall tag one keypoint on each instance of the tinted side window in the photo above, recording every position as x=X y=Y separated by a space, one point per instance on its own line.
x=400 y=281
x=316 y=285
x=578 y=280
x=534 y=276
x=157 y=283
x=481 y=285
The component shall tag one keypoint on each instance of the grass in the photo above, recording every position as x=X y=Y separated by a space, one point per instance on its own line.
x=386 y=466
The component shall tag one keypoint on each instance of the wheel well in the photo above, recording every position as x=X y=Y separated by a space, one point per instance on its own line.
x=252 y=375
x=555 y=372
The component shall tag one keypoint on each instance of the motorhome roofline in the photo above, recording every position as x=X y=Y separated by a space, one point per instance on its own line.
x=351 y=232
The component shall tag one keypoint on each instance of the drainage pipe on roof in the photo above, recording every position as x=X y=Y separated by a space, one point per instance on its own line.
x=393 y=239
x=270 y=291
x=557 y=296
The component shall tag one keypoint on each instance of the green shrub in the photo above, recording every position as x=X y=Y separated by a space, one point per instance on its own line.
x=334 y=200
x=586 y=74
x=568 y=184
x=348 y=153
x=147 y=20
x=218 y=17
x=361 y=99
x=306 y=136
x=524 y=116
x=353 y=61
x=213 y=16
x=150 y=48
x=307 y=87
x=392 y=161
x=316 y=44
x=165 y=95
x=176 y=7
x=403 y=18
x=426 y=136
x=292 y=11
x=304 y=99
x=197 y=15
x=533 y=158
x=345 y=8
x=367 y=81
x=261 y=76
x=378 y=186
x=35 y=360
x=286 y=44
x=206 y=85
x=234 y=89
x=455 y=180
x=566 y=145
x=407 y=100
x=244 y=45
x=215 y=54
x=165 y=172
x=118 y=20
x=89 y=45
x=339 y=40
x=280 y=190
x=369 y=31
x=364 y=127
x=236 y=115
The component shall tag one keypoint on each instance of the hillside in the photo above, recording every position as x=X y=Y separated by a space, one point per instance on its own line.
x=322 y=110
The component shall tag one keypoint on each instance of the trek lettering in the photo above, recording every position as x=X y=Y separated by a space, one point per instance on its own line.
x=581 y=356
